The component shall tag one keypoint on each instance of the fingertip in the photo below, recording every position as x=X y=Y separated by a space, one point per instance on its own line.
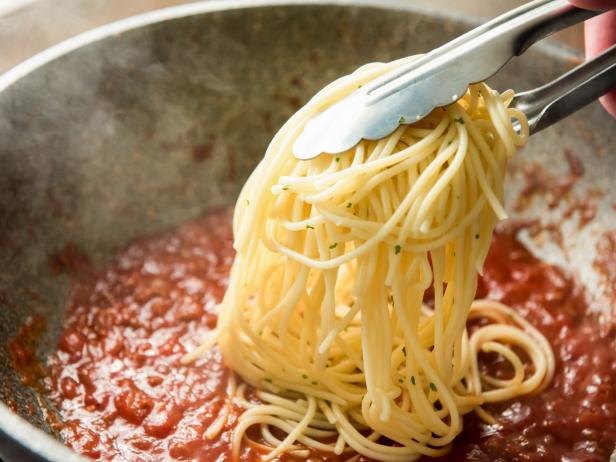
x=600 y=33
x=608 y=101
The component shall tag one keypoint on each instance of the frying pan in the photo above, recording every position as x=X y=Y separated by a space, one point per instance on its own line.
x=140 y=125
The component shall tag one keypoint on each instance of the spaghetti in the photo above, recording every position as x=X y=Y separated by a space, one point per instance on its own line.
x=328 y=313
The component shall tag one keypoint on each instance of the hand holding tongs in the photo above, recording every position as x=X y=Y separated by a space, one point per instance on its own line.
x=442 y=76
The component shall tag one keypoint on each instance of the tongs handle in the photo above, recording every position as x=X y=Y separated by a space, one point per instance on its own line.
x=554 y=101
x=542 y=18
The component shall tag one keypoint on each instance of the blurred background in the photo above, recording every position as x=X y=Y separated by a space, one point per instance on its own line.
x=29 y=26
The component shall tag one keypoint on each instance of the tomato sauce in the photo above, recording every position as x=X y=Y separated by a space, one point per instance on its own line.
x=123 y=394
x=116 y=376
x=574 y=419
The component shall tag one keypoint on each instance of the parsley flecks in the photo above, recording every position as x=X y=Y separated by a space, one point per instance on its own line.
x=304 y=376
x=397 y=249
x=432 y=386
x=309 y=226
x=285 y=187
x=460 y=120
x=337 y=159
x=349 y=205
x=413 y=379
x=334 y=245
x=401 y=120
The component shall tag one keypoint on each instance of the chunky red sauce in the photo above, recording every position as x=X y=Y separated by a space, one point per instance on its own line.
x=574 y=419
x=124 y=396
x=117 y=377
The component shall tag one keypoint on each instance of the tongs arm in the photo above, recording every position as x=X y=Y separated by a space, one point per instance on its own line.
x=554 y=101
x=481 y=52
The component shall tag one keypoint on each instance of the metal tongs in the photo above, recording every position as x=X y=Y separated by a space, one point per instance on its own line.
x=442 y=76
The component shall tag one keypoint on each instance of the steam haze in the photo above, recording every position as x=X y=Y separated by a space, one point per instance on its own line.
x=39 y=24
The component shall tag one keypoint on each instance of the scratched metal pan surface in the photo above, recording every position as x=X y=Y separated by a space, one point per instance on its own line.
x=102 y=140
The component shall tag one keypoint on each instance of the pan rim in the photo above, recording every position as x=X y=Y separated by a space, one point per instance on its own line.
x=78 y=41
